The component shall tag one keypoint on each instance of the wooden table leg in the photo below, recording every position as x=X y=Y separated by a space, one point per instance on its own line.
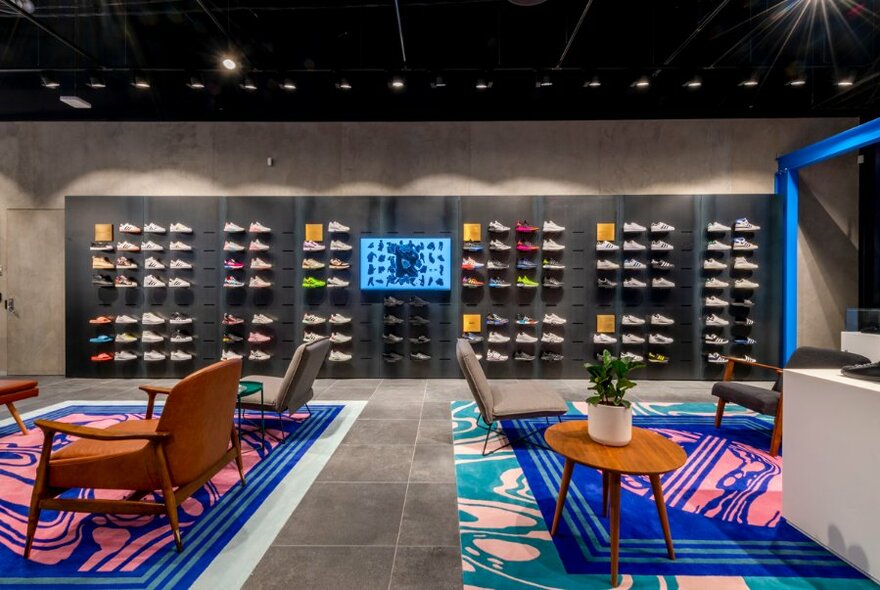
x=11 y=407
x=563 y=492
x=604 y=493
x=661 y=510
x=615 y=524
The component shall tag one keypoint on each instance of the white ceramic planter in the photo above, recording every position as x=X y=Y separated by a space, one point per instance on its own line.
x=610 y=425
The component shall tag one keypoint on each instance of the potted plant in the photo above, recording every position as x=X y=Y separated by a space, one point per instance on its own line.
x=610 y=415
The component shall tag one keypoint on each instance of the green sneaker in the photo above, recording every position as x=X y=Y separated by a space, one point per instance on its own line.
x=526 y=282
x=313 y=283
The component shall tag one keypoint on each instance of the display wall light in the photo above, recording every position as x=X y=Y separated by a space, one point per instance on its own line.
x=49 y=81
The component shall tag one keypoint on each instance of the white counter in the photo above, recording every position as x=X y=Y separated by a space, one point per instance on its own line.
x=831 y=463
x=864 y=344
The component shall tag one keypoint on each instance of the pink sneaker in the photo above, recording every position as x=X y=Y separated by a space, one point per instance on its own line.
x=257 y=338
x=526 y=247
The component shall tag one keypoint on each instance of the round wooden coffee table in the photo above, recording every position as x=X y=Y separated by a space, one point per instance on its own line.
x=647 y=454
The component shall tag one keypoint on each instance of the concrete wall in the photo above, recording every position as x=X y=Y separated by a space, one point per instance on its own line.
x=40 y=163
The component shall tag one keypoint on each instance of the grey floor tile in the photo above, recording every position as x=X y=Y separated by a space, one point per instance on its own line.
x=368 y=463
x=436 y=411
x=435 y=432
x=417 y=568
x=401 y=394
x=324 y=568
x=346 y=514
x=343 y=393
x=382 y=432
x=392 y=410
x=430 y=515
x=433 y=463
x=447 y=395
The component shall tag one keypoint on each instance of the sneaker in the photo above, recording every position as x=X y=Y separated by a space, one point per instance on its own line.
x=153 y=263
x=743 y=224
x=334 y=227
x=471 y=264
x=661 y=245
x=228 y=355
x=177 y=282
x=151 y=319
x=715 y=283
x=258 y=338
x=122 y=282
x=232 y=228
x=606 y=284
x=714 y=340
x=743 y=263
x=526 y=246
x=749 y=341
x=494 y=319
x=151 y=246
x=716 y=227
x=716 y=246
x=420 y=340
x=232 y=264
x=659 y=227
x=497 y=265
x=337 y=356
x=603 y=264
x=745 y=322
x=471 y=282
x=498 y=246
x=392 y=301
x=127 y=247
x=551 y=283
x=178 y=264
x=310 y=246
x=125 y=338
x=553 y=319
x=632 y=357
x=151 y=337
x=498 y=283
x=180 y=356
x=178 y=318
x=311 y=319
x=179 y=246
x=632 y=264
x=661 y=320
x=662 y=283
x=550 y=227
x=661 y=265
x=607 y=246
x=258 y=246
x=715 y=302
x=714 y=357
x=417 y=320
x=743 y=244
x=551 y=246
x=180 y=228
x=232 y=282
x=261 y=319
x=338 y=246
x=391 y=338
x=420 y=356
x=525 y=227
x=259 y=356
x=604 y=339
x=745 y=284
x=129 y=228
x=656 y=358
x=337 y=264
x=524 y=320
x=659 y=339
x=743 y=303
x=102 y=319
x=498 y=338
x=632 y=339
x=309 y=337
x=526 y=282
x=179 y=337
x=101 y=247
x=525 y=264
x=336 y=282
x=631 y=320
x=258 y=228
x=104 y=263
x=522 y=337
x=472 y=338
x=472 y=246
x=230 y=246
x=631 y=245
x=497 y=227
x=633 y=228
x=392 y=320
x=126 y=319
x=634 y=284
x=338 y=319
x=124 y=355
x=230 y=338
x=551 y=357
x=493 y=356
x=391 y=357
x=551 y=338
x=712 y=264
x=521 y=355
x=552 y=264
x=313 y=283
x=714 y=320
x=231 y=320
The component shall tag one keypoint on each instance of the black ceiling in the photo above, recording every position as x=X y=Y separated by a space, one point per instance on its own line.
x=314 y=43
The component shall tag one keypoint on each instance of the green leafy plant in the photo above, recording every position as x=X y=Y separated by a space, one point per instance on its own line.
x=610 y=380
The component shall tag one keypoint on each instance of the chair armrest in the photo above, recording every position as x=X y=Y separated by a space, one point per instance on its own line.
x=152 y=391
x=733 y=361
x=50 y=427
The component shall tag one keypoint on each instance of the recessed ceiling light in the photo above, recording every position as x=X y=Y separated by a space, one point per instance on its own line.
x=139 y=81
x=797 y=82
x=397 y=83
x=248 y=84
x=483 y=84
x=642 y=82
x=438 y=82
x=196 y=83
x=288 y=85
x=749 y=82
x=544 y=82
x=48 y=81
x=593 y=82
x=229 y=63
x=343 y=84
x=96 y=82
x=694 y=83
x=845 y=82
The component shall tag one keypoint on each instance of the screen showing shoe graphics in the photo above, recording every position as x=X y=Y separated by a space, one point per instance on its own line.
x=405 y=264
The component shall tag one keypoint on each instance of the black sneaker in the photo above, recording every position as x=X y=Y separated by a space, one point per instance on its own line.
x=418 y=320
x=179 y=318
x=101 y=247
x=391 y=320
x=420 y=340
x=472 y=338
x=551 y=357
x=392 y=301
x=523 y=356
x=391 y=338
x=420 y=356
x=391 y=357
x=102 y=281
x=231 y=338
x=417 y=302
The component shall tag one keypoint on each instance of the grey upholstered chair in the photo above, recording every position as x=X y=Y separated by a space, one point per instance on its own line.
x=294 y=390
x=769 y=401
x=507 y=402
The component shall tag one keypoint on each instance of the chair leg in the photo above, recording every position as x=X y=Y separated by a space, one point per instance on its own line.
x=168 y=496
x=776 y=437
x=40 y=486
x=236 y=443
x=11 y=407
x=719 y=412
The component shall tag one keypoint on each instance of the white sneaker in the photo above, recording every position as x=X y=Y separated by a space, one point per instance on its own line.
x=634 y=284
x=660 y=339
x=339 y=338
x=124 y=355
x=180 y=355
x=312 y=319
x=125 y=319
x=181 y=337
x=153 y=228
x=631 y=320
x=743 y=244
x=337 y=356
x=632 y=339
x=716 y=227
x=743 y=263
x=129 y=228
x=498 y=265
x=309 y=337
x=127 y=247
x=715 y=302
x=259 y=355
x=633 y=228
x=716 y=358
x=553 y=319
x=310 y=246
x=180 y=228
x=661 y=264
x=312 y=264
x=551 y=338
x=154 y=264
x=260 y=318
x=228 y=355
x=339 y=246
x=603 y=339
x=632 y=357
x=633 y=264
x=497 y=227
x=716 y=246
x=338 y=318
x=745 y=284
x=232 y=228
x=551 y=246
x=715 y=340
x=180 y=246
x=712 y=264
x=258 y=246
x=125 y=338
x=493 y=356
x=336 y=282
x=659 y=226
x=149 y=336
x=550 y=227
x=230 y=246
x=714 y=320
x=525 y=338
x=631 y=245
x=662 y=283
x=603 y=264
x=151 y=246
x=743 y=224
x=178 y=282
x=498 y=338
x=153 y=281
x=661 y=245
x=714 y=283
x=498 y=246
x=334 y=227
x=607 y=246
x=661 y=320
x=259 y=283
x=258 y=228
x=179 y=264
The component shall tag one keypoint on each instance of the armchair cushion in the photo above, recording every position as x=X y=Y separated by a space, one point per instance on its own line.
x=757 y=399
x=526 y=400
x=272 y=388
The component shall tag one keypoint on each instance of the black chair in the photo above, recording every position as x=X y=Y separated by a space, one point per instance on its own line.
x=769 y=401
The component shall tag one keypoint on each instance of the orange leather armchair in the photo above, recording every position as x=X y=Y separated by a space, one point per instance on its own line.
x=193 y=439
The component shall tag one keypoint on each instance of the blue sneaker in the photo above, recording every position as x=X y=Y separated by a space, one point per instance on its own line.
x=525 y=264
x=498 y=283
x=472 y=337
x=102 y=339
x=472 y=247
x=496 y=320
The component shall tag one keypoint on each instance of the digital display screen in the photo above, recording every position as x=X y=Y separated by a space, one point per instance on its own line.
x=405 y=264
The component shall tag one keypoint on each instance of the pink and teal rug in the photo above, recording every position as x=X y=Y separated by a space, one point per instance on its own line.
x=222 y=520
x=724 y=510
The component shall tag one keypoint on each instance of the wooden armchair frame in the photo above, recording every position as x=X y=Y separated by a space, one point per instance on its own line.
x=776 y=436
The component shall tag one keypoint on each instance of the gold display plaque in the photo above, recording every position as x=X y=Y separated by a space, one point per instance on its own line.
x=471 y=322
x=606 y=323
x=103 y=232
x=314 y=232
x=471 y=232
x=604 y=231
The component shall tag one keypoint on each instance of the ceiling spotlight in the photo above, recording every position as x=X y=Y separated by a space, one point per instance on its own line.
x=229 y=63
x=196 y=83
x=797 y=82
x=139 y=81
x=397 y=83
x=48 y=81
x=288 y=85
x=483 y=84
x=343 y=84
x=749 y=82
x=694 y=83
x=845 y=82
x=248 y=84
x=544 y=82
x=642 y=82
x=438 y=82
x=96 y=82
x=593 y=82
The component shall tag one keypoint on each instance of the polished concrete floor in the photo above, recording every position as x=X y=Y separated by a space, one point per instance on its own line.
x=382 y=513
